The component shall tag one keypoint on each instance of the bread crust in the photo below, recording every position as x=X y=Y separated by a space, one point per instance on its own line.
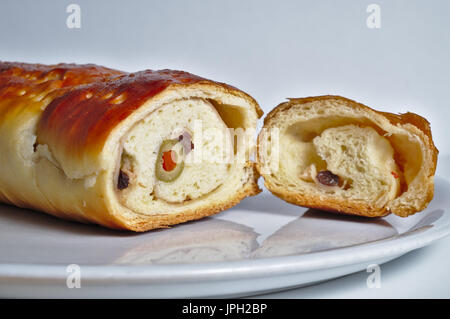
x=73 y=111
x=413 y=123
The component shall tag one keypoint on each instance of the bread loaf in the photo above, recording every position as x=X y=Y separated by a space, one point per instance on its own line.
x=123 y=150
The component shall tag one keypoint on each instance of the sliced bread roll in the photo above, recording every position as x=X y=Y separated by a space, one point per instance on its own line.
x=332 y=153
x=133 y=151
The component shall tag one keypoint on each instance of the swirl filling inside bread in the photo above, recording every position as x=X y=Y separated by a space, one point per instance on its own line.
x=148 y=162
x=335 y=154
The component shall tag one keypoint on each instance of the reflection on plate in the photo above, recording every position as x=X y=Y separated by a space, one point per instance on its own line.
x=316 y=231
x=207 y=240
x=32 y=237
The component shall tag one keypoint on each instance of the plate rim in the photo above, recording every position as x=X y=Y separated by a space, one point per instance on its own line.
x=246 y=268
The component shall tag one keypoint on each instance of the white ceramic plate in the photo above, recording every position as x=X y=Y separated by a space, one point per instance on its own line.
x=262 y=245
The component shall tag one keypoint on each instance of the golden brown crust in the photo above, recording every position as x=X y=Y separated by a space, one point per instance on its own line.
x=331 y=205
x=341 y=205
x=34 y=78
x=22 y=82
x=83 y=115
x=81 y=120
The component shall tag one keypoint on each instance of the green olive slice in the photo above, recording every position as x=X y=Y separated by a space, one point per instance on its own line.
x=170 y=151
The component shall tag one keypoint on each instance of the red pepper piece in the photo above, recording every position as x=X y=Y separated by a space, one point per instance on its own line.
x=168 y=160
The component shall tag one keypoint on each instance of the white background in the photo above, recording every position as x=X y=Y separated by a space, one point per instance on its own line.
x=272 y=50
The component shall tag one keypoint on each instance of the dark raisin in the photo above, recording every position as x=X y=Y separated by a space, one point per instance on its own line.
x=327 y=178
x=123 y=180
x=186 y=141
x=35 y=145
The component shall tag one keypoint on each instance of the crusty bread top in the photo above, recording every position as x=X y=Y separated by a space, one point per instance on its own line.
x=82 y=104
x=31 y=87
x=84 y=117
x=33 y=76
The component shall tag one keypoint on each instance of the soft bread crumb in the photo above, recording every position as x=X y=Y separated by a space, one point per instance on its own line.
x=362 y=157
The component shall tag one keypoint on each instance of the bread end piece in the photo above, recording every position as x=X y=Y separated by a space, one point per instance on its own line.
x=301 y=122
